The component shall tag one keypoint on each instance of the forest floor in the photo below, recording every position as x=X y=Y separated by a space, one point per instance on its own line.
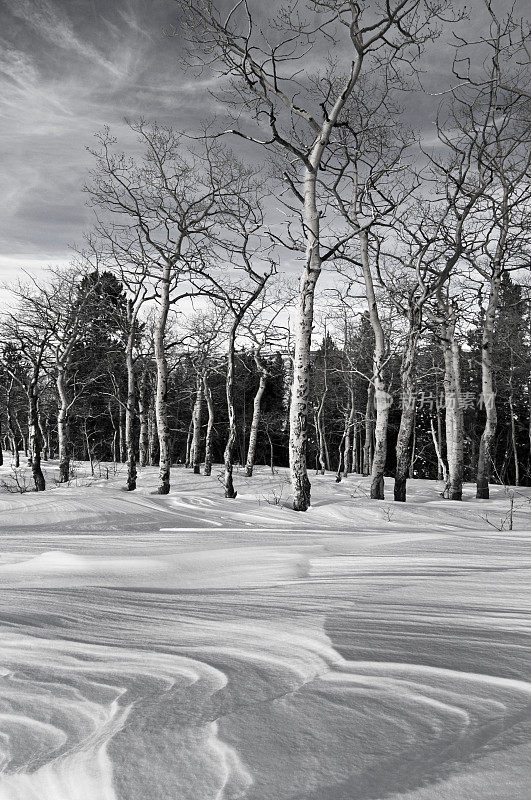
x=190 y=647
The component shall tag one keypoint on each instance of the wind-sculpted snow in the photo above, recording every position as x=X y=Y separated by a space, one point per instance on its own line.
x=181 y=648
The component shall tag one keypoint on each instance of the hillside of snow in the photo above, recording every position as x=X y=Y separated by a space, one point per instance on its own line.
x=190 y=647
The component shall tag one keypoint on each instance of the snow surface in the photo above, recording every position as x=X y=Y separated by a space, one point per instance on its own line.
x=194 y=648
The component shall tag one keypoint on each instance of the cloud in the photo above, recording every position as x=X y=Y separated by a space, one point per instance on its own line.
x=49 y=22
x=62 y=78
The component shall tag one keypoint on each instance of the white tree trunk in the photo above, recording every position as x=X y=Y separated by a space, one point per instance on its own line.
x=454 y=409
x=130 y=410
x=35 y=437
x=143 y=439
x=350 y=433
x=442 y=472
x=300 y=390
x=369 y=424
x=196 y=425
x=382 y=399
x=404 y=443
x=255 y=424
x=487 y=388
x=62 y=426
x=161 y=410
x=210 y=426
x=231 y=438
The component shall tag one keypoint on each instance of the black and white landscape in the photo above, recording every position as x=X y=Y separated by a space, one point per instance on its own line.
x=265 y=400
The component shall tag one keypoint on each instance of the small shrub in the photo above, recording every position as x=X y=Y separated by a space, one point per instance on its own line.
x=18 y=484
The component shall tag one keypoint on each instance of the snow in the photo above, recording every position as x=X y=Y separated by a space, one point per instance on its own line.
x=190 y=647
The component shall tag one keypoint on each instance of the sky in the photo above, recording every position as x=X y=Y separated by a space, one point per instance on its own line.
x=67 y=68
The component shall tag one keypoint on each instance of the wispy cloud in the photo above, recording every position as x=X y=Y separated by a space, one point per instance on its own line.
x=51 y=22
x=67 y=69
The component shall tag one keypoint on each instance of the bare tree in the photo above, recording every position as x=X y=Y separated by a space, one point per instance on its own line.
x=500 y=58
x=166 y=206
x=203 y=337
x=23 y=333
x=297 y=110
x=486 y=129
x=262 y=328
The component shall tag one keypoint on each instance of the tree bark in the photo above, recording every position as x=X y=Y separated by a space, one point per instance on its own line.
x=369 y=420
x=161 y=410
x=115 y=442
x=356 y=450
x=381 y=397
x=11 y=427
x=404 y=442
x=513 y=432
x=255 y=423
x=35 y=439
x=45 y=441
x=130 y=404
x=322 y=459
x=143 y=439
x=300 y=390
x=487 y=388
x=189 y=441
x=454 y=408
x=210 y=426
x=196 y=423
x=442 y=472
x=350 y=434
x=121 y=432
x=62 y=425
x=231 y=439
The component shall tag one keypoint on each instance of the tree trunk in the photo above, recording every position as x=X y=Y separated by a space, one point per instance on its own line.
x=143 y=439
x=381 y=397
x=271 y=452
x=253 y=433
x=189 y=443
x=255 y=424
x=45 y=441
x=341 y=457
x=49 y=440
x=62 y=426
x=413 y=447
x=196 y=422
x=366 y=468
x=153 y=438
x=454 y=409
x=23 y=436
x=350 y=438
x=130 y=405
x=36 y=441
x=322 y=459
x=11 y=429
x=231 y=439
x=122 y=434
x=442 y=472
x=300 y=390
x=210 y=426
x=356 y=450
x=404 y=442
x=115 y=448
x=90 y=455
x=161 y=410
x=513 y=435
x=487 y=388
